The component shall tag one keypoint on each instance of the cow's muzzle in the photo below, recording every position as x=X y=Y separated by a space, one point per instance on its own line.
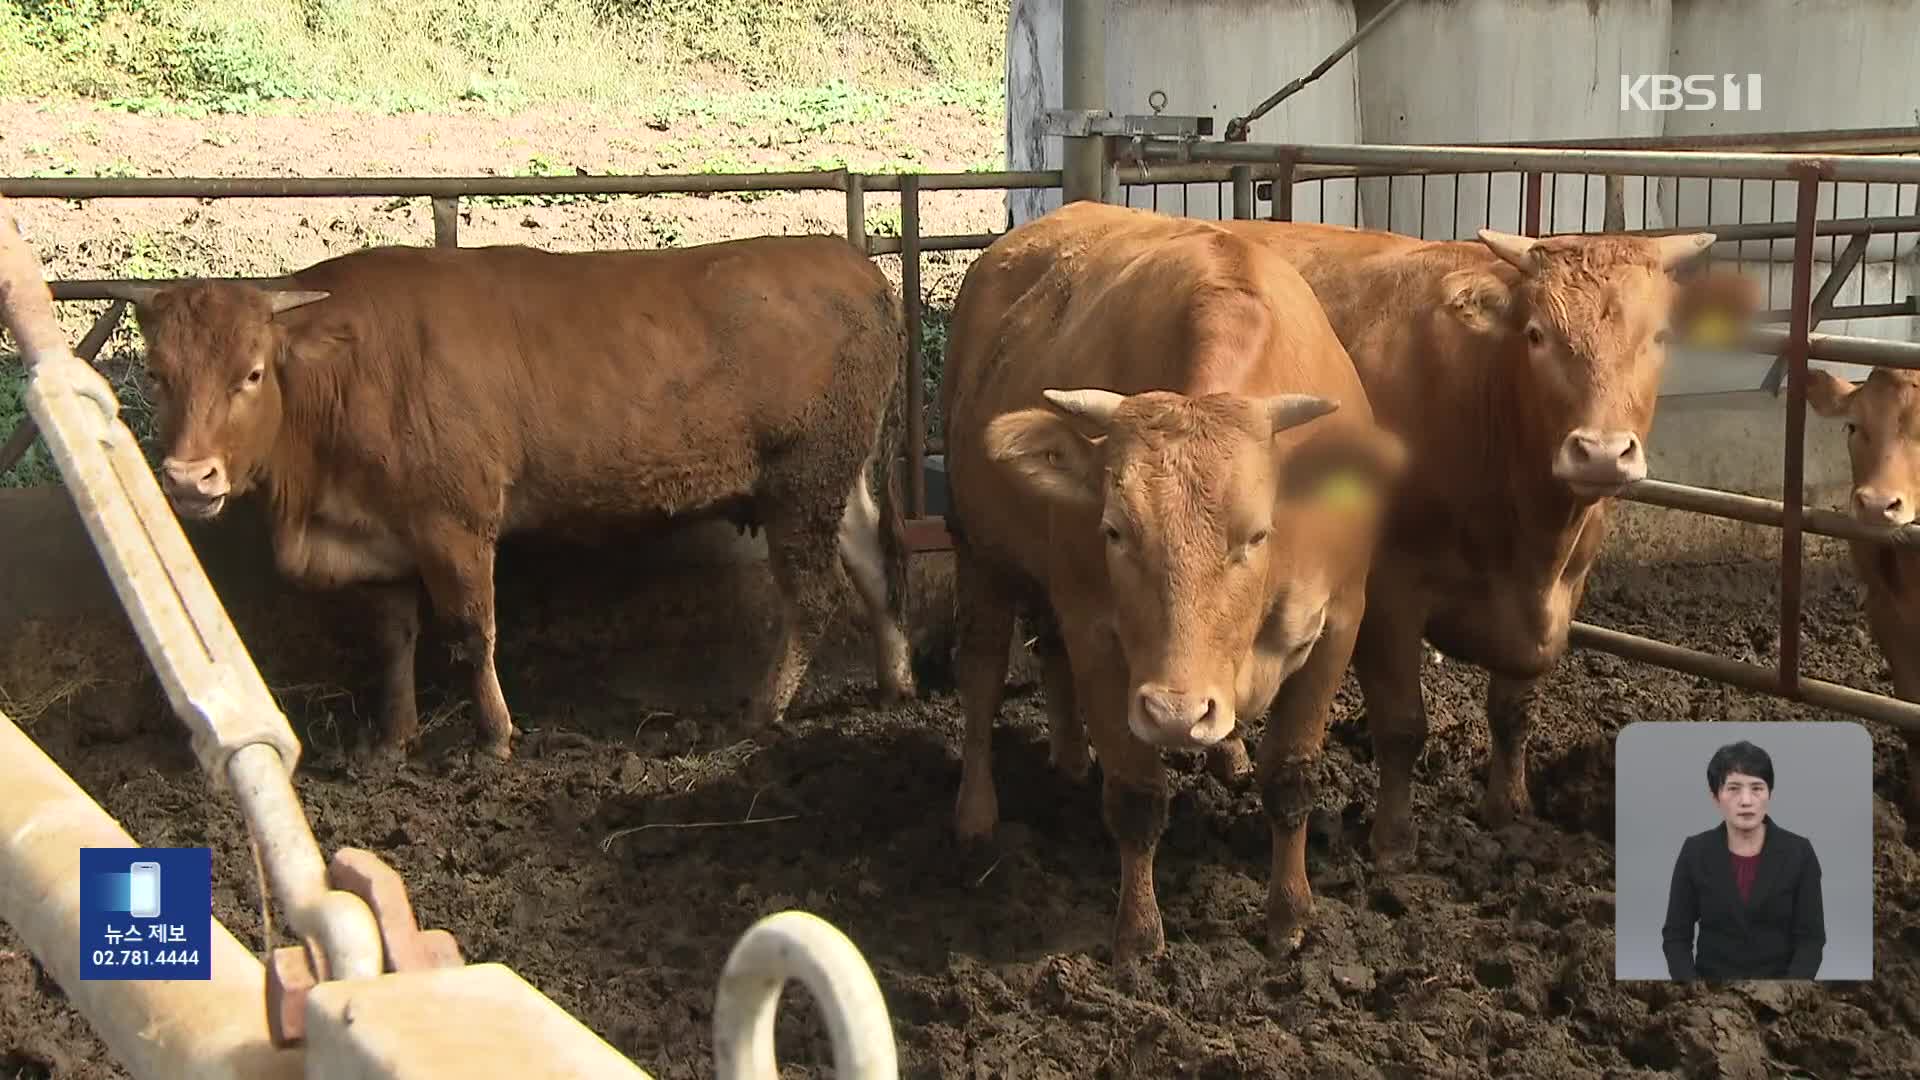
x=1882 y=508
x=197 y=489
x=1168 y=718
x=1599 y=463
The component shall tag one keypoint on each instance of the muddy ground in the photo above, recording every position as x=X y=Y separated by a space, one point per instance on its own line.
x=1494 y=957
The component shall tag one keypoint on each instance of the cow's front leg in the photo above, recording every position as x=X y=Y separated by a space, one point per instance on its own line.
x=1509 y=723
x=1387 y=659
x=1066 y=732
x=394 y=610
x=1133 y=797
x=458 y=572
x=983 y=629
x=1289 y=756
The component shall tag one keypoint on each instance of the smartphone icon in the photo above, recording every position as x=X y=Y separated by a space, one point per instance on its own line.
x=143 y=893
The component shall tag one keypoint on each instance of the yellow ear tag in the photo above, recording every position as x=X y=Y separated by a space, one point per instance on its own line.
x=1345 y=490
x=1711 y=327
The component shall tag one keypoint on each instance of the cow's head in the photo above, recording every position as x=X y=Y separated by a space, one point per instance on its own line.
x=214 y=353
x=1222 y=520
x=1883 y=439
x=1593 y=315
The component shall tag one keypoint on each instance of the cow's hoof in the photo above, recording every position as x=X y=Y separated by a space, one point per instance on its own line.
x=1229 y=763
x=1138 y=940
x=976 y=859
x=1501 y=809
x=1393 y=846
x=380 y=752
x=1074 y=764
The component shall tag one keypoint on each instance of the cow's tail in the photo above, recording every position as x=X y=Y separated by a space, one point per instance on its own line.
x=891 y=451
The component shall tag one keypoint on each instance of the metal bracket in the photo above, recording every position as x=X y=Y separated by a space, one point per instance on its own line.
x=292 y=971
x=1088 y=123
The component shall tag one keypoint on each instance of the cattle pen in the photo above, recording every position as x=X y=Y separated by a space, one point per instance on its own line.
x=1260 y=181
x=1259 y=174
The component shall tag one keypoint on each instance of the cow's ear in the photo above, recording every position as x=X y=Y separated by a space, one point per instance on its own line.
x=285 y=300
x=1478 y=298
x=1345 y=468
x=1827 y=393
x=1046 y=455
x=1715 y=307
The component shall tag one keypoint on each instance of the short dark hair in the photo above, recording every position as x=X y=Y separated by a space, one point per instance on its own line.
x=1738 y=757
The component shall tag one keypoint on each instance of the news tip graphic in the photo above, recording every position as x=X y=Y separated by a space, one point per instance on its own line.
x=146 y=913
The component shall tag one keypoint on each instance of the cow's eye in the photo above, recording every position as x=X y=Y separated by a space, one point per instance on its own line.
x=1852 y=428
x=1259 y=537
x=254 y=376
x=1112 y=534
x=1534 y=337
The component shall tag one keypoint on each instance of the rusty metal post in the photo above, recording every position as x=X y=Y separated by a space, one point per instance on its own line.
x=1531 y=222
x=446 y=221
x=1242 y=176
x=916 y=379
x=1797 y=347
x=1283 y=193
x=857 y=213
x=1615 y=219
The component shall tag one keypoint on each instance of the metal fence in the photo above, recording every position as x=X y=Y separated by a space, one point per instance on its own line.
x=1264 y=180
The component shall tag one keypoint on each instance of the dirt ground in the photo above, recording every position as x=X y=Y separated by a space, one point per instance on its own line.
x=1493 y=957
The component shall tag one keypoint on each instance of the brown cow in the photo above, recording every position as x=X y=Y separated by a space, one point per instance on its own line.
x=1127 y=399
x=1883 y=443
x=1522 y=374
x=404 y=408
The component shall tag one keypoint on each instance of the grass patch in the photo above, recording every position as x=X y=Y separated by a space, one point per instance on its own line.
x=245 y=55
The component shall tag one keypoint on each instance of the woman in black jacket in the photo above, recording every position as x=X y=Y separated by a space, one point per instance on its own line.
x=1751 y=886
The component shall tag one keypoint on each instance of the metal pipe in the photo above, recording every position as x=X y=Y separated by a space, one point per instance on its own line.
x=296 y=874
x=293 y=187
x=1785 y=230
x=1794 y=483
x=1758 y=511
x=1732 y=166
x=890 y=245
x=796 y=945
x=916 y=379
x=857 y=214
x=1242 y=176
x=446 y=221
x=1902 y=309
x=1839 y=348
x=1530 y=226
x=189 y=1030
x=1084 y=87
x=1901 y=715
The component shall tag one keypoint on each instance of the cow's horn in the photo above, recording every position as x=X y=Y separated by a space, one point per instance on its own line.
x=1291 y=410
x=1514 y=249
x=288 y=299
x=1675 y=250
x=1093 y=406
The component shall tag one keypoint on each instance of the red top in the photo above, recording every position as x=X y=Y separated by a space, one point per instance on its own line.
x=1744 y=868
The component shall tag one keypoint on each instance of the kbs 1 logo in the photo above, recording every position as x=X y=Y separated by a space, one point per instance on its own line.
x=1691 y=93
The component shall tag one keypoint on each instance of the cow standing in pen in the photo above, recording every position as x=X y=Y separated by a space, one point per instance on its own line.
x=402 y=409
x=1882 y=417
x=1522 y=373
x=1157 y=444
